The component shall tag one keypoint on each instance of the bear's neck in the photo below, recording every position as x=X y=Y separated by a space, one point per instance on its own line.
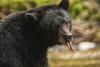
x=40 y=61
x=36 y=61
x=34 y=58
x=37 y=53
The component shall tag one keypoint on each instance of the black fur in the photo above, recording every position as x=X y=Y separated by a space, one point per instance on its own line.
x=24 y=39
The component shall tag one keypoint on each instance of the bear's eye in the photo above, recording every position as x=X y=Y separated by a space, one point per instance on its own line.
x=66 y=23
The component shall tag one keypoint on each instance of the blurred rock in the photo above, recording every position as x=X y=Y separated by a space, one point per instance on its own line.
x=86 y=45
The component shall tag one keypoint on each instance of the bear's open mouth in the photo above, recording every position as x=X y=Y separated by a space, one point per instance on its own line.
x=69 y=44
x=64 y=40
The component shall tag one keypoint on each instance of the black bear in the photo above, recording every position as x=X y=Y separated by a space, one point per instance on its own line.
x=25 y=36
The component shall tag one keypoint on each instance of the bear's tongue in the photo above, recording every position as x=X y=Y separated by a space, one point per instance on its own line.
x=71 y=49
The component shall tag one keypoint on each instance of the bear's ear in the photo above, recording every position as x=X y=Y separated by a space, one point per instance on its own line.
x=32 y=16
x=64 y=4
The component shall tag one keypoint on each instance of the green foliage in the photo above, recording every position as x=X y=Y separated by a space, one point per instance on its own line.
x=19 y=5
x=46 y=2
x=76 y=8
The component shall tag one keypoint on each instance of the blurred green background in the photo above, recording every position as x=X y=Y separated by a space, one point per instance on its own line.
x=86 y=30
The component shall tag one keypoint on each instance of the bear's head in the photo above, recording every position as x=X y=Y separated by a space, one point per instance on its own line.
x=54 y=25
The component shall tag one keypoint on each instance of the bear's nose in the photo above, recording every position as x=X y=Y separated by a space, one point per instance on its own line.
x=69 y=37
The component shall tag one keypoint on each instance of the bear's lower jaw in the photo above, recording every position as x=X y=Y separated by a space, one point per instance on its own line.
x=62 y=40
